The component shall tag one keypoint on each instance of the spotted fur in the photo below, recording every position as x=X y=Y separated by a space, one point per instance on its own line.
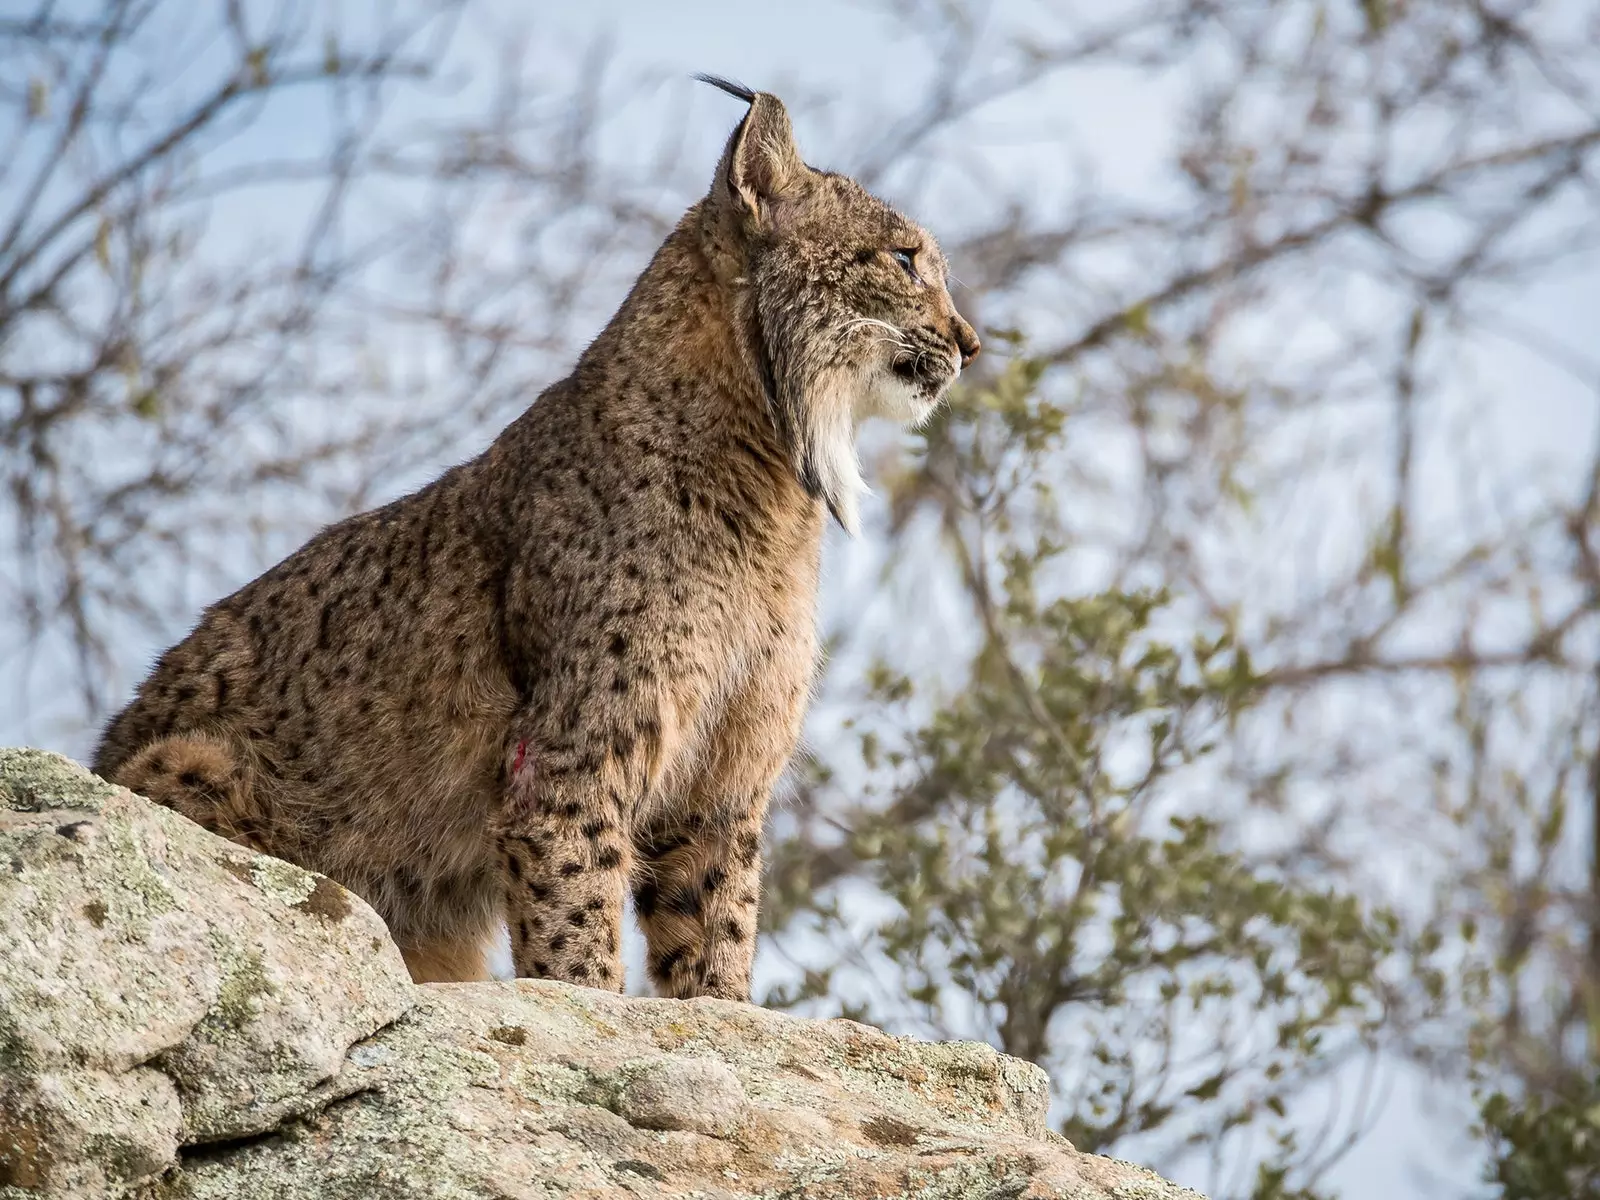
x=571 y=669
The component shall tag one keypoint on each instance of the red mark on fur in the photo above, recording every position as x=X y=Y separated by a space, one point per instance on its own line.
x=522 y=753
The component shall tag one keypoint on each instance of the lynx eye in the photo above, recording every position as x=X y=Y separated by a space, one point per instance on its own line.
x=908 y=260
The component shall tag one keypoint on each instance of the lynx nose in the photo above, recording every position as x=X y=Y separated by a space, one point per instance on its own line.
x=966 y=342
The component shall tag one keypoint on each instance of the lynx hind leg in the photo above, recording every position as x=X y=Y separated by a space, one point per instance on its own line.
x=696 y=892
x=448 y=960
x=446 y=925
x=202 y=778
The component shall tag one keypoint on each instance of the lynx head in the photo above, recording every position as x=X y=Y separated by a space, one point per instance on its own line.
x=844 y=301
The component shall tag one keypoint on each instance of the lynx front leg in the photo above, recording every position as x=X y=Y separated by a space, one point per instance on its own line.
x=696 y=893
x=566 y=860
x=697 y=883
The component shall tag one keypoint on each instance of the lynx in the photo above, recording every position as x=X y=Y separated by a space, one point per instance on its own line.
x=574 y=667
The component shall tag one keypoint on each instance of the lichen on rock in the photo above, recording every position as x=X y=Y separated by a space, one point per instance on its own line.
x=181 y=1019
x=150 y=997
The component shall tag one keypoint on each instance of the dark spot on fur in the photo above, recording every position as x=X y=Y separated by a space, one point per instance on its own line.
x=664 y=965
x=191 y=779
x=619 y=645
x=609 y=858
x=715 y=878
x=569 y=869
x=514 y=865
x=577 y=918
x=644 y=900
x=558 y=942
x=733 y=931
x=684 y=901
x=660 y=847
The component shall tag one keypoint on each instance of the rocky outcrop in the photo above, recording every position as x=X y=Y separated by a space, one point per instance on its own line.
x=180 y=1017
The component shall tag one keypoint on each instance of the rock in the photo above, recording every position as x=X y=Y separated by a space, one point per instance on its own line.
x=160 y=986
x=700 y=1095
x=520 y=1090
x=184 y=1020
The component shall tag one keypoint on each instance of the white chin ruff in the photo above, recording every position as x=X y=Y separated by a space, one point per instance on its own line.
x=894 y=399
x=844 y=405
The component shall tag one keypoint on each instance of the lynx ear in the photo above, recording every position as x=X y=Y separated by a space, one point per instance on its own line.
x=760 y=162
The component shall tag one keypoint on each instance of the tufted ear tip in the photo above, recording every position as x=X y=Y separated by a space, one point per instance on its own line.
x=760 y=162
x=732 y=87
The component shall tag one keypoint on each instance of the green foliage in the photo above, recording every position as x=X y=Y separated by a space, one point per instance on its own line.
x=1544 y=1149
x=1056 y=881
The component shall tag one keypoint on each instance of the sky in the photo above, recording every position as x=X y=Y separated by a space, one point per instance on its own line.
x=849 y=55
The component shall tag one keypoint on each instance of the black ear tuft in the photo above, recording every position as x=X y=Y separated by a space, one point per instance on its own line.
x=760 y=162
x=729 y=86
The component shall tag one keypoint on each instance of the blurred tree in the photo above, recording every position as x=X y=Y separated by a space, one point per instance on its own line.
x=1544 y=1150
x=1047 y=892
x=1263 y=385
x=258 y=261
x=1234 y=722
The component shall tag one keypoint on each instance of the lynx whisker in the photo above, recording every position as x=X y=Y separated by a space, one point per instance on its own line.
x=895 y=336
